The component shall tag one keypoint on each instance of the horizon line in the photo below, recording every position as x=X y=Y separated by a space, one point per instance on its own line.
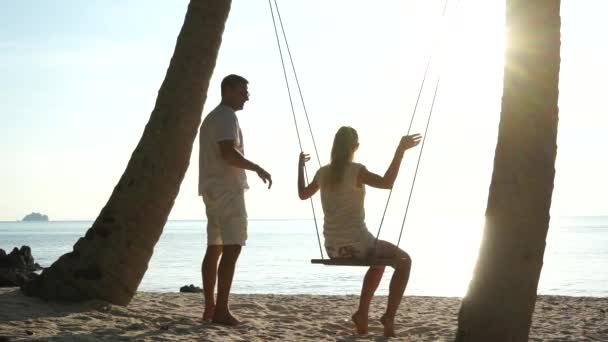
x=261 y=219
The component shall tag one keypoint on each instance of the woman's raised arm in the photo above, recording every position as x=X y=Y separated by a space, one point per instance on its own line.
x=387 y=181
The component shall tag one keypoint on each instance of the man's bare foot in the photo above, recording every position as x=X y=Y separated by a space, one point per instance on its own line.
x=389 y=326
x=360 y=323
x=208 y=313
x=225 y=319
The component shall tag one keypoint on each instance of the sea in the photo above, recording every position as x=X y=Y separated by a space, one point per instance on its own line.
x=277 y=256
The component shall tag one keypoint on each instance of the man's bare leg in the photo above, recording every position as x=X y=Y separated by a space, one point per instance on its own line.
x=370 y=284
x=225 y=274
x=398 y=282
x=209 y=271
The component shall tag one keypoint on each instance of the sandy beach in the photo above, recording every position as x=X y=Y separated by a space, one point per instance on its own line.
x=176 y=317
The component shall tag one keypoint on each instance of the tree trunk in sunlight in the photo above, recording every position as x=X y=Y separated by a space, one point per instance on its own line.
x=110 y=260
x=501 y=296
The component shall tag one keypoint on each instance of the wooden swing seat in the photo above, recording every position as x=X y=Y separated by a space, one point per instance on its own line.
x=355 y=262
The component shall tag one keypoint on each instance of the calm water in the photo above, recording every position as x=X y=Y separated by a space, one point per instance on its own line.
x=276 y=259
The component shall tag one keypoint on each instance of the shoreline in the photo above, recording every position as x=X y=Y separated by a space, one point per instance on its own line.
x=176 y=316
x=201 y=218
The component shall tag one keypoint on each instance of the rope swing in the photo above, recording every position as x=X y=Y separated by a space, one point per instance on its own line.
x=349 y=261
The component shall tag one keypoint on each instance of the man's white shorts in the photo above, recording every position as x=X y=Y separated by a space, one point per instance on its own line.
x=226 y=216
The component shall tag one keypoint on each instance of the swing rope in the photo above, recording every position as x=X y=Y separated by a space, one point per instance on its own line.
x=295 y=74
x=312 y=205
x=310 y=128
x=407 y=206
x=415 y=110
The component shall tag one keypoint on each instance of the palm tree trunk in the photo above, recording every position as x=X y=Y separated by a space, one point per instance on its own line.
x=501 y=296
x=110 y=260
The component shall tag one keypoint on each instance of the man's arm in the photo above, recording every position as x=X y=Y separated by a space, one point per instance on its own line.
x=235 y=158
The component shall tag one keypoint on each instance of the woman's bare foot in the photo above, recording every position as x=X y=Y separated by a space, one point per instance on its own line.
x=225 y=319
x=360 y=323
x=208 y=313
x=389 y=326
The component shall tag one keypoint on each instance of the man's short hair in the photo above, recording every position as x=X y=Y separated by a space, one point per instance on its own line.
x=233 y=81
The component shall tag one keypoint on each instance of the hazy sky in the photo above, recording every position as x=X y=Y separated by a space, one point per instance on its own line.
x=78 y=80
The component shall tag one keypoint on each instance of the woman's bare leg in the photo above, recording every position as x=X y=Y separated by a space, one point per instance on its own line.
x=402 y=266
x=370 y=284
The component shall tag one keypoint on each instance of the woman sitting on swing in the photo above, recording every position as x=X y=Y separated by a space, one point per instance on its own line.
x=342 y=185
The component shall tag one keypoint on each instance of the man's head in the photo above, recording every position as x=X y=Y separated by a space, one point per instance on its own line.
x=234 y=91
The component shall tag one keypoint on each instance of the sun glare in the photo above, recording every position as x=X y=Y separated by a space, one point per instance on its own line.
x=473 y=39
x=449 y=246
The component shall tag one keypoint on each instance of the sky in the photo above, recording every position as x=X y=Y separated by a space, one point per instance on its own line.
x=78 y=81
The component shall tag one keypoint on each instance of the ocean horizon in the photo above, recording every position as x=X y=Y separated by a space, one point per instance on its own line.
x=278 y=252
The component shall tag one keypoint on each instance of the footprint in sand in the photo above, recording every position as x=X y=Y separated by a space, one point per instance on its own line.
x=277 y=308
x=289 y=319
x=418 y=330
x=252 y=306
x=301 y=327
x=136 y=326
x=332 y=326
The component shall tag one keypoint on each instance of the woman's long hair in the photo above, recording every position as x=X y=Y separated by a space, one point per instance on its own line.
x=346 y=142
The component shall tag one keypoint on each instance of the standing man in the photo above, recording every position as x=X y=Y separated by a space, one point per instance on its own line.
x=222 y=183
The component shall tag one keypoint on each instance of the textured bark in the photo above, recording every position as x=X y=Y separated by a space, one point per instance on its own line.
x=110 y=260
x=501 y=296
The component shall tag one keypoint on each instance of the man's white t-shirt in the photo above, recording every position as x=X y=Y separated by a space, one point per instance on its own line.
x=220 y=124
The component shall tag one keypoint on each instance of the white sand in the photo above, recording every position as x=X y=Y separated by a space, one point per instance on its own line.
x=176 y=317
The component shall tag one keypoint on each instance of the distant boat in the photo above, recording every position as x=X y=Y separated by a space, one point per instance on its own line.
x=35 y=217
